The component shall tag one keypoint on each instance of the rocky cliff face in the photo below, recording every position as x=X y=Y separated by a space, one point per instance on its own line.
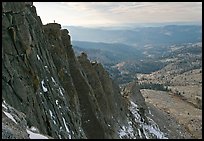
x=54 y=92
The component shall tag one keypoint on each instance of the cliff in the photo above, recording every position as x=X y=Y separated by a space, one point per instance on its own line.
x=55 y=93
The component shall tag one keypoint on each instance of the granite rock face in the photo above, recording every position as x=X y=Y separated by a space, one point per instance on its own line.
x=61 y=95
x=13 y=123
x=36 y=78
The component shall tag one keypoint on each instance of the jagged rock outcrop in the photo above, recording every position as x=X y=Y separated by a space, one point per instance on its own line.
x=10 y=128
x=58 y=94
x=31 y=82
x=14 y=125
x=112 y=105
x=132 y=92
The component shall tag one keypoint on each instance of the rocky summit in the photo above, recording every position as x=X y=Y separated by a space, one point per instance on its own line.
x=48 y=92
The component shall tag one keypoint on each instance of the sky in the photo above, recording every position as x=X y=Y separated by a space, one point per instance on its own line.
x=93 y=14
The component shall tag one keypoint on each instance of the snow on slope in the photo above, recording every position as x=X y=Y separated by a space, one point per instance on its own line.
x=145 y=130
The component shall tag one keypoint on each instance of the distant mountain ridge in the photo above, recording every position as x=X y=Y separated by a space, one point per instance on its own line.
x=141 y=36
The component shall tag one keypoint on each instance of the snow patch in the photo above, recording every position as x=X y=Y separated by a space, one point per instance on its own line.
x=38 y=57
x=52 y=117
x=33 y=129
x=56 y=102
x=149 y=130
x=146 y=135
x=60 y=90
x=139 y=132
x=122 y=132
x=135 y=111
x=35 y=135
x=3 y=105
x=155 y=131
x=66 y=127
x=10 y=116
x=133 y=104
x=44 y=88
x=54 y=121
x=59 y=136
x=130 y=131
x=150 y=113
x=53 y=80
x=87 y=121
x=51 y=113
x=127 y=131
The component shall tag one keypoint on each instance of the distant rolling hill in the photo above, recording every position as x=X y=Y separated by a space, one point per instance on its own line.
x=137 y=50
x=121 y=60
x=107 y=53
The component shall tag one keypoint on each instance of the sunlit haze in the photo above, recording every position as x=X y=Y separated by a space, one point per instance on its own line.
x=118 y=13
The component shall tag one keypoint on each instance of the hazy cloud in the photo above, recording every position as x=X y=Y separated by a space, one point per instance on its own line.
x=104 y=13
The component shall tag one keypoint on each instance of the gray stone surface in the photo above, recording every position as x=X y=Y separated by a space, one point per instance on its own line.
x=61 y=95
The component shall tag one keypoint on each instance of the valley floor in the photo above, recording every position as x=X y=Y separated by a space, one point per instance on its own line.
x=180 y=116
